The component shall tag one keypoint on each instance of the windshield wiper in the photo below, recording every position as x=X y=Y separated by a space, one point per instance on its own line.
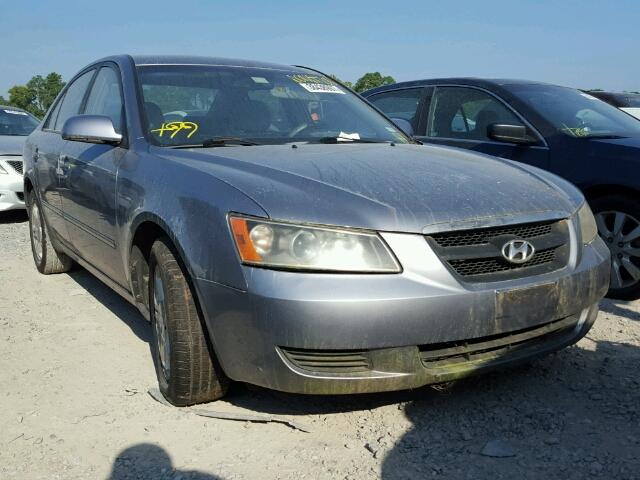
x=220 y=142
x=348 y=140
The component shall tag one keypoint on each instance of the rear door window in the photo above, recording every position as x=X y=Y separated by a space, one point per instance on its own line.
x=402 y=104
x=72 y=101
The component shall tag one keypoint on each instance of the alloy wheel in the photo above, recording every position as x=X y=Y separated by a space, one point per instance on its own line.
x=621 y=232
x=36 y=232
x=160 y=323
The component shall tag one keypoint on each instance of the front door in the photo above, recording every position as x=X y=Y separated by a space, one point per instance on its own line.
x=89 y=193
x=460 y=117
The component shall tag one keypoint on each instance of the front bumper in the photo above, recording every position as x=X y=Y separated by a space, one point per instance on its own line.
x=11 y=188
x=343 y=333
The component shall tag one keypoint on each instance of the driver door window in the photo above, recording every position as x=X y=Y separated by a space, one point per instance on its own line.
x=466 y=113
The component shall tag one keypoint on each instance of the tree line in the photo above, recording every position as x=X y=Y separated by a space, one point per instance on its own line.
x=37 y=95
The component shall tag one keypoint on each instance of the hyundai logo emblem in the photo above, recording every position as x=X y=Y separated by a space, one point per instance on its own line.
x=518 y=251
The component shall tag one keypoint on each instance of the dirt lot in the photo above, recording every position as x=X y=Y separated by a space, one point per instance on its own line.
x=76 y=369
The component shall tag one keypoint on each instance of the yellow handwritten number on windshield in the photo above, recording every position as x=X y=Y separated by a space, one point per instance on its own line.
x=176 y=127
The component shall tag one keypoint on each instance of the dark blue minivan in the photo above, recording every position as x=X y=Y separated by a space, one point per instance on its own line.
x=569 y=132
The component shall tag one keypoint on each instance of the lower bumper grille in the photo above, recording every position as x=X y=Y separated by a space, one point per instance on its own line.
x=17 y=165
x=487 y=348
x=328 y=361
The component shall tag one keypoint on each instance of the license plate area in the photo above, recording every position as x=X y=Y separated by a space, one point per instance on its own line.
x=533 y=304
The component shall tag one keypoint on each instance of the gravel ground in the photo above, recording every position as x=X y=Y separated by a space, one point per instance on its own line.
x=76 y=369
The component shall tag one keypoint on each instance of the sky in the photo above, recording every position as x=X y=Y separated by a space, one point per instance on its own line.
x=582 y=44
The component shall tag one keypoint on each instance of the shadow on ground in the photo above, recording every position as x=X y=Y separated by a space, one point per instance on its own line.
x=114 y=302
x=149 y=461
x=573 y=414
x=13 y=216
x=620 y=308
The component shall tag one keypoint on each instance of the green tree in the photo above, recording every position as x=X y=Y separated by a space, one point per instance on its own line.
x=344 y=82
x=20 y=96
x=38 y=94
x=3 y=101
x=372 y=80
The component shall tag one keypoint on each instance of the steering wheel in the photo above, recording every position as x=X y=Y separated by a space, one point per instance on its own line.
x=302 y=127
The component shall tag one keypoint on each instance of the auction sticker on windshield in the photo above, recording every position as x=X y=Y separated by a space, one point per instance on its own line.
x=316 y=84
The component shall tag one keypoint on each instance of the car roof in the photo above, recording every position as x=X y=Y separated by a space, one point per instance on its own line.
x=472 y=81
x=201 y=60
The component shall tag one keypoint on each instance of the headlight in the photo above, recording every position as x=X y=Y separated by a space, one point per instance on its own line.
x=2 y=170
x=588 y=227
x=300 y=247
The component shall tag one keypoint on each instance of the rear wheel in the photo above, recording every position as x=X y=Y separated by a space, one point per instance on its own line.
x=47 y=259
x=187 y=369
x=618 y=220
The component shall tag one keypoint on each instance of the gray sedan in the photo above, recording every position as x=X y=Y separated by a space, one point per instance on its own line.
x=276 y=229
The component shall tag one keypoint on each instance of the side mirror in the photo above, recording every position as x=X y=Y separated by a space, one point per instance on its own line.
x=509 y=133
x=403 y=125
x=90 y=129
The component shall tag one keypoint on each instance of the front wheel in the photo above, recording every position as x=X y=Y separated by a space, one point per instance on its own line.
x=618 y=220
x=186 y=367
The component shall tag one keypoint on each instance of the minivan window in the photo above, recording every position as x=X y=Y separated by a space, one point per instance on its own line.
x=105 y=98
x=191 y=104
x=73 y=99
x=575 y=113
x=466 y=113
x=400 y=104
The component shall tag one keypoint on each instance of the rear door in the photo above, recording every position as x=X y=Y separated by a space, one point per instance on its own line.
x=89 y=198
x=49 y=148
x=406 y=103
x=460 y=116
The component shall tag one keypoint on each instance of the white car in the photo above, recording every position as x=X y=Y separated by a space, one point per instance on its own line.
x=15 y=125
x=627 y=102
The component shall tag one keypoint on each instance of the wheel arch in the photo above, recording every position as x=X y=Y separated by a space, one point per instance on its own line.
x=597 y=191
x=144 y=231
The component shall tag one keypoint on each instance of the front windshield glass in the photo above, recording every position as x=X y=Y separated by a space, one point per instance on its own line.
x=189 y=105
x=16 y=122
x=575 y=113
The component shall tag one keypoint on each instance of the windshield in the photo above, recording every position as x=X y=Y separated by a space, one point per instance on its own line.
x=16 y=122
x=189 y=105
x=575 y=113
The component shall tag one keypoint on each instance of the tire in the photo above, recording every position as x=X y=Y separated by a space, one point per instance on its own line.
x=618 y=219
x=47 y=259
x=185 y=364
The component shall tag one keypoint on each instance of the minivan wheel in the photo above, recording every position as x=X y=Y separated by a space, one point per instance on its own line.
x=47 y=259
x=185 y=364
x=618 y=220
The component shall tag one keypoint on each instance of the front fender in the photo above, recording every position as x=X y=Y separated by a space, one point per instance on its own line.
x=191 y=208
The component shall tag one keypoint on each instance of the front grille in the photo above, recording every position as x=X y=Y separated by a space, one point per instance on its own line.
x=493 y=265
x=328 y=361
x=441 y=355
x=476 y=255
x=483 y=236
x=16 y=165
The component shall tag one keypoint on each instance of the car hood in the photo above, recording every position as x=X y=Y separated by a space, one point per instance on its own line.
x=11 y=145
x=405 y=188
